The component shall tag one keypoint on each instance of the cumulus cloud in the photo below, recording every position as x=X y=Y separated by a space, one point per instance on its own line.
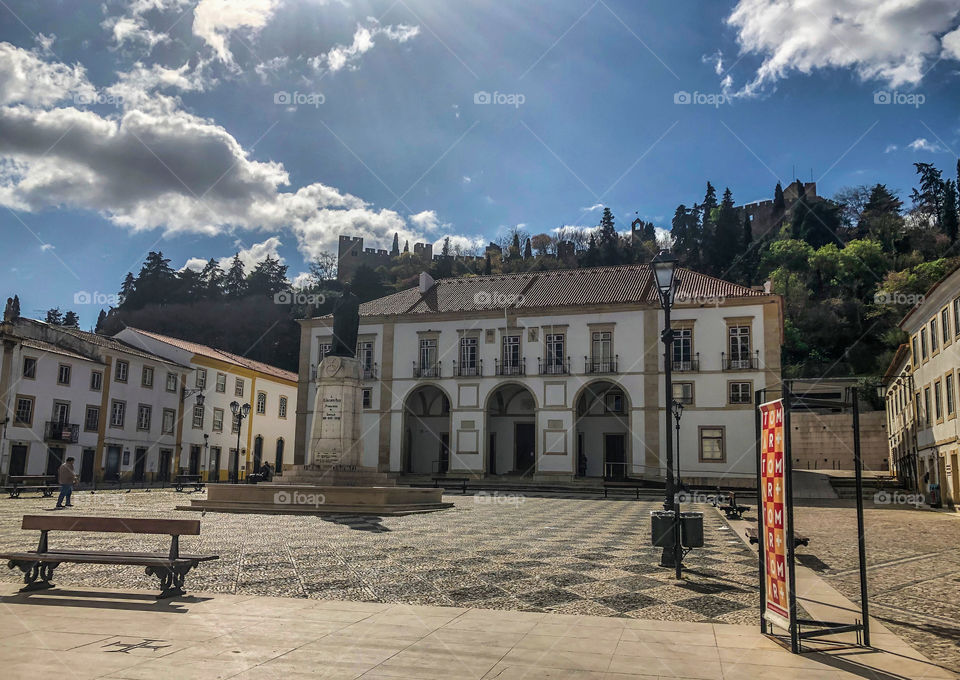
x=890 y=148
x=26 y=78
x=889 y=41
x=250 y=257
x=921 y=144
x=347 y=56
x=460 y=244
x=215 y=20
x=427 y=220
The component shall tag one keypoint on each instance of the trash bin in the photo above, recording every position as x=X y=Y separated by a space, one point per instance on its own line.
x=691 y=529
x=661 y=528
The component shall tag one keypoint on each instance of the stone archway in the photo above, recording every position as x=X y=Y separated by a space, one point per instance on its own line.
x=426 y=431
x=511 y=431
x=603 y=441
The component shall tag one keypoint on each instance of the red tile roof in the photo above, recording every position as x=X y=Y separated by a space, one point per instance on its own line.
x=557 y=288
x=220 y=355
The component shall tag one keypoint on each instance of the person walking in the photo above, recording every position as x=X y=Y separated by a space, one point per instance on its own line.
x=67 y=477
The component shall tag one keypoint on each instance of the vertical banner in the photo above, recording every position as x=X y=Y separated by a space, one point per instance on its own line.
x=774 y=516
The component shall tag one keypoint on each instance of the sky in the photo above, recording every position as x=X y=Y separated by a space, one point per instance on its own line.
x=205 y=128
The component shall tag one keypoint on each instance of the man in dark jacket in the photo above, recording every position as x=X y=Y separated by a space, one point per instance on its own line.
x=66 y=477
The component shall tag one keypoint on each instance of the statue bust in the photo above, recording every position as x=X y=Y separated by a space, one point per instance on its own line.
x=346 y=324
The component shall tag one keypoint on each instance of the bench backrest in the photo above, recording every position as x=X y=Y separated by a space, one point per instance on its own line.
x=122 y=525
x=23 y=478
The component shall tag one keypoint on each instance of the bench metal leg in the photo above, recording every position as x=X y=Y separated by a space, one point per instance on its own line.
x=171 y=580
x=36 y=575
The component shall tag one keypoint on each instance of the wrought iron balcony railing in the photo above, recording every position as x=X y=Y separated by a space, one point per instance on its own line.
x=468 y=369
x=601 y=365
x=740 y=362
x=56 y=431
x=688 y=365
x=370 y=372
x=511 y=367
x=553 y=366
x=426 y=370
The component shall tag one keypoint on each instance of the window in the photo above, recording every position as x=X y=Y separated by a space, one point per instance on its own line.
x=197 y=417
x=510 y=355
x=118 y=413
x=923 y=343
x=740 y=393
x=92 y=419
x=123 y=368
x=238 y=388
x=29 y=368
x=916 y=353
x=683 y=392
x=218 y=420
x=144 y=415
x=711 y=445
x=683 y=349
x=169 y=420
x=601 y=346
x=61 y=412
x=428 y=356
x=325 y=349
x=926 y=405
x=948 y=386
x=468 y=356
x=938 y=400
x=261 y=403
x=282 y=408
x=613 y=402
x=63 y=374
x=367 y=398
x=934 y=338
x=739 y=341
x=221 y=383
x=234 y=424
x=365 y=355
x=956 y=316
x=96 y=380
x=23 y=415
x=556 y=351
x=945 y=325
x=146 y=376
x=171 y=382
x=201 y=379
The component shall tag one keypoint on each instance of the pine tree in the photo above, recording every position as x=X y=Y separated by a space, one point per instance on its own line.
x=395 y=250
x=527 y=250
x=949 y=218
x=54 y=316
x=70 y=320
x=779 y=206
x=725 y=238
x=128 y=288
x=928 y=198
x=445 y=249
x=101 y=321
x=748 y=253
x=235 y=282
x=608 y=241
x=268 y=278
x=649 y=232
x=406 y=246
x=212 y=280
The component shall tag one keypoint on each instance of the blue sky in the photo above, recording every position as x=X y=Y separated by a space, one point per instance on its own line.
x=270 y=126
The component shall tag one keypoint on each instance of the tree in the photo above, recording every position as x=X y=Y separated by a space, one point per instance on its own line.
x=395 y=250
x=101 y=322
x=948 y=220
x=55 y=317
x=928 y=197
x=71 y=320
x=445 y=250
x=268 y=278
x=154 y=284
x=779 y=205
x=323 y=268
x=235 y=282
x=649 y=232
x=725 y=247
x=211 y=280
x=406 y=246
x=541 y=244
x=527 y=250
x=128 y=288
x=367 y=284
x=487 y=265
x=852 y=201
x=607 y=239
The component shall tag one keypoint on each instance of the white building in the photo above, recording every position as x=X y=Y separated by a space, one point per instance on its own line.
x=209 y=433
x=927 y=376
x=557 y=375
x=64 y=392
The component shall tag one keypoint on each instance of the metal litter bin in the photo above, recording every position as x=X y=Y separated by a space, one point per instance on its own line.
x=691 y=529
x=661 y=528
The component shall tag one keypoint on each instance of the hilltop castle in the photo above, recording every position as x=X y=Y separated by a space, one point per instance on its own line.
x=762 y=214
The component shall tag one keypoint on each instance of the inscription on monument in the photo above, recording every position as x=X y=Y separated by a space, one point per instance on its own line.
x=332 y=408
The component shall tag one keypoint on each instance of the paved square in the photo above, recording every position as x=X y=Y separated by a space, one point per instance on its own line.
x=567 y=555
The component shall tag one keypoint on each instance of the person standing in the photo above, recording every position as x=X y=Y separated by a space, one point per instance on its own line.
x=67 y=477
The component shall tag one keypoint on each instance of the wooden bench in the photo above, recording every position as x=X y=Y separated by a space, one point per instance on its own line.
x=635 y=484
x=732 y=509
x=462 y=481
x=46 y=484
x=170 y=567
x=798 y=539
x=188 y=480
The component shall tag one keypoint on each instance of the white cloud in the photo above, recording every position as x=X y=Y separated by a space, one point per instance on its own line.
x=951 y=45
x=347 y=56
x=301 y=280
x=890 y=148
x=427 y=220
x=267 y=68
x=132 y=26
x=921 y=144
x=28 y=79
x=215 y=20
x=47 y=246
x=250 y=257
x=892 y=41
x=592 y=208
x=467 y=245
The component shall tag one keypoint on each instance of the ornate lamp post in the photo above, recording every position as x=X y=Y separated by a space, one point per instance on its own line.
x=664 y=267
x=239 y=412
x=677 y=550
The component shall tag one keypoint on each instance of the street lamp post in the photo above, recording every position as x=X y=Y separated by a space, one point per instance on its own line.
x=677 y=550
x=664 y=267
x=239 y=412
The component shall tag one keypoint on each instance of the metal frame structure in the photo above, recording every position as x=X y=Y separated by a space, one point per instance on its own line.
x=816 y=628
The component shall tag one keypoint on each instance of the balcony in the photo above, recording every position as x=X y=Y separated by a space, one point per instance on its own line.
x=464 y=370
x=370 y=372
x=601 y=365
x=426 y=370
x=687 y=366
x=553 y=366
x=56 y=431
x=740 y=362
x=511 y=367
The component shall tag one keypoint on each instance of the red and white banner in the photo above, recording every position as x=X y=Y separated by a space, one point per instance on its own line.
x=773 y=506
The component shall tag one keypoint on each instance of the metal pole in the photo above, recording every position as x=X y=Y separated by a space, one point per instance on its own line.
x=677 y=549
x=236 y=469
x=669 y=556
x=761 y=535
x=788 y=502
x=861 y=539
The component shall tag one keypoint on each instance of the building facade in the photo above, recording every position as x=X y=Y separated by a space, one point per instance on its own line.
x=213 y=444
x=930 y=369
x=901 y=418
x=64 y=393
x=556 y=375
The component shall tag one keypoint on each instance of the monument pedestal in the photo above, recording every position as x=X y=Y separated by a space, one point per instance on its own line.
x=334 y=480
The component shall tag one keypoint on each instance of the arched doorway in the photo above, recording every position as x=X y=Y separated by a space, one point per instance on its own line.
x=511 y=431
x=257 y=453
x=426 y=431
x=603 y=431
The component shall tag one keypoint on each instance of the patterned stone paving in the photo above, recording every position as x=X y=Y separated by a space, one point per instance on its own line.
x=567 y=555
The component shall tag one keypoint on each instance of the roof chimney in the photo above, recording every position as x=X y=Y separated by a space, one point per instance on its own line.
x=426 y=282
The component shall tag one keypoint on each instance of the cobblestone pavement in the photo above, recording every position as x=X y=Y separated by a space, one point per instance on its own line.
x=913 y=567
x=577 y=556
